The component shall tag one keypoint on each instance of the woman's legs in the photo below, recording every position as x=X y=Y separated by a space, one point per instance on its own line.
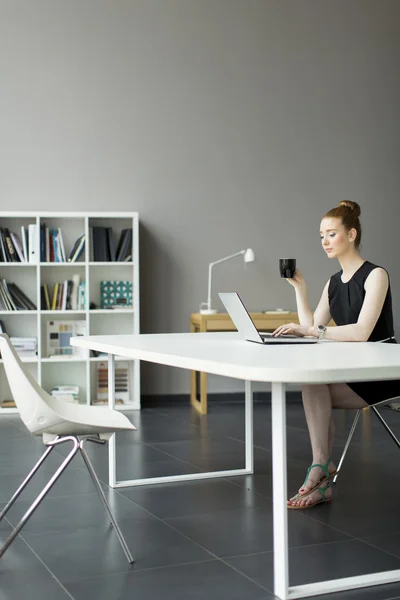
x=318 y=401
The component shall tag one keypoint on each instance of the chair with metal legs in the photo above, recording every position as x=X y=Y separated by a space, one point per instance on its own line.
x=58 y=422
x=354 y=425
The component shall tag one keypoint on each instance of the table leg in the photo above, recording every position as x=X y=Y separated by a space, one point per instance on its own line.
x=248 y=424
x=249 y=459
x=281 y=552
x=281 y=548
x=198 y=384
x=112 y=470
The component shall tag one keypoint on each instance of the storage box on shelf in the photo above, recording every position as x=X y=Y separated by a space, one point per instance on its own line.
x=59 y=263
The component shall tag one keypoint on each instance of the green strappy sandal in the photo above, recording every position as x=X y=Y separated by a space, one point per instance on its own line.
x=320 y=501
x=328 y=477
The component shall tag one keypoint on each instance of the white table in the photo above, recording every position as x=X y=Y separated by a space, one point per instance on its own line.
x=227 y=354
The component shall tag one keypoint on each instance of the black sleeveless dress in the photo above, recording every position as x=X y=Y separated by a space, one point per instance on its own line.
x=345 y=303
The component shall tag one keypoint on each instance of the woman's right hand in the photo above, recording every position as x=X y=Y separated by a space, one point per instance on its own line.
x=297 y=281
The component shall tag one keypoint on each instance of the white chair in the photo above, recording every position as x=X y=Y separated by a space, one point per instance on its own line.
x=354 y=425
x=57 y=422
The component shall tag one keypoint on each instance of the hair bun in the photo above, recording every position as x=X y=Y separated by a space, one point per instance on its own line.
x=353 y=206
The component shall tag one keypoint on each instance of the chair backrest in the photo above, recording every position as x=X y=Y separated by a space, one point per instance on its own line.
x=32 y=401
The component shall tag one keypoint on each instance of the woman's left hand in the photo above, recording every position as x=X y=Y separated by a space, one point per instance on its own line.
x=293 y=329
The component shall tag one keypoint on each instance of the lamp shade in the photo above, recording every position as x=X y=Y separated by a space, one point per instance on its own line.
x=249 y=256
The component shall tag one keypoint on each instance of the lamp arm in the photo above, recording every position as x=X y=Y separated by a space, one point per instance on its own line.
x=228 y=257
x=210 y=266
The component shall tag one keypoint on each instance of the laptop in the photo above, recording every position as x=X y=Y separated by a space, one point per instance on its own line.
x=245 y=324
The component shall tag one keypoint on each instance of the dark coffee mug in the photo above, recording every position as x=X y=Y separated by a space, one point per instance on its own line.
x=287 y=267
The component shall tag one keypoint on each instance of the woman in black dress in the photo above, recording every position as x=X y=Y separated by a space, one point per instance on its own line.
x=358 y=299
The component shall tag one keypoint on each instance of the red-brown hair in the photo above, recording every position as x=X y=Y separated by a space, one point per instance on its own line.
x=348 y=212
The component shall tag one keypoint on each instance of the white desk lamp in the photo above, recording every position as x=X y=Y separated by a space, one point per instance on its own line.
x=248 y=256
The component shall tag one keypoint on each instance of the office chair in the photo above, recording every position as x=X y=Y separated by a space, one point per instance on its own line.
x=354 y=425
x=58 y=422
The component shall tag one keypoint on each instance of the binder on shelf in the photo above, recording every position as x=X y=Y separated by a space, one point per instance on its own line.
x=32 y=236
x=42 y=242
x=100 y=245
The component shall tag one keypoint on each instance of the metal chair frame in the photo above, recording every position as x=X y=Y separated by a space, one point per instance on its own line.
x=77 y=446
x=354 y=425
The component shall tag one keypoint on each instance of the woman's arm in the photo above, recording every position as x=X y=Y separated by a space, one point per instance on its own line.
x=376 y=287
x=322 y=314
x=303 y=308
x=308 y=321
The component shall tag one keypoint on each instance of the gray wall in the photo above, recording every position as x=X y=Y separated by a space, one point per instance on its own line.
x=224 y=123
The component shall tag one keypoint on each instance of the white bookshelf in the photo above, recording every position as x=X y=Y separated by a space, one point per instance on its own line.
x=30 y=276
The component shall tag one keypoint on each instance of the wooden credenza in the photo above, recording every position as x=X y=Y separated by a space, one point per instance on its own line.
x=222 y=322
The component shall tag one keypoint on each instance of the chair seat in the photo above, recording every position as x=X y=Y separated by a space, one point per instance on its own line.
x=78 y=419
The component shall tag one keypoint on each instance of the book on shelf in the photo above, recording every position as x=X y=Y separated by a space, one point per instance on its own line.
x=58 y=336
x=101 y=252
x=111 y=246
x=13 y=298
x=125 y=245
x=102 y=246
x=12 y=249
x=18 y=246
x=8 y=403
x=77 y=249
x=122 y=386
x=11 y=252
x=52 y=247
x=24 y=238
x=68 y=393
x=67 y=295
x=25 y=346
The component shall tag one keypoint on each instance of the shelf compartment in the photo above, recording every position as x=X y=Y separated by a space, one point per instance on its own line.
x=54 y=373
x=71 y=230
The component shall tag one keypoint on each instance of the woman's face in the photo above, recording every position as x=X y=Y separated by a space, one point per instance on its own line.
x=335 y=240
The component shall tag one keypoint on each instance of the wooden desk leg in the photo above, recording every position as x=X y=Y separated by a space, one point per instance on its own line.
x=198 y=394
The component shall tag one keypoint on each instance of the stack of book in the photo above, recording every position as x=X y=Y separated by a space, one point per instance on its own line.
x=13 y=298
x=102 y=247
x=67 y=295
x=121 y=384
x=12 y=249
x=25 y=346
x=52 y=246
x=68 y=393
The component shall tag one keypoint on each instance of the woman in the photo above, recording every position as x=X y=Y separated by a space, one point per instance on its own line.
x=358 y=299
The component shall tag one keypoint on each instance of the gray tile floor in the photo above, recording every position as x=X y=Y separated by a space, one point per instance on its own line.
x=209 y=539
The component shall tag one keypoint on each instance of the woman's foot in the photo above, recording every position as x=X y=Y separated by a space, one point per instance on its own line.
x=317 y=478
